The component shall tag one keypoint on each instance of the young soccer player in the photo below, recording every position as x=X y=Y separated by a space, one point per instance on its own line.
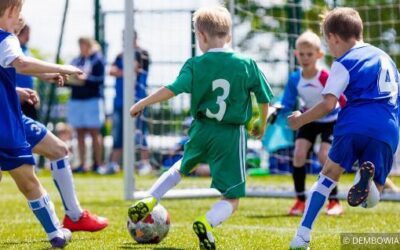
x=44 y=142
x=15 y=153
x=220 y=83
x=308 y=83
x=370 y=81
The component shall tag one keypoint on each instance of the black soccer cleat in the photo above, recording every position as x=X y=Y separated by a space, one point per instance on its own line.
x=359 y=192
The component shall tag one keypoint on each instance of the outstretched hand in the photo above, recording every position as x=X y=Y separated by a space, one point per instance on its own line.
x=136 y=109
x=56 y=78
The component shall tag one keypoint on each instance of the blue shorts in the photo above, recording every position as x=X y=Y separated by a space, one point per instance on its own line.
x=34 y=130
x=117 y=129
x=88 y=113
x=13 y=158
x=347 y=149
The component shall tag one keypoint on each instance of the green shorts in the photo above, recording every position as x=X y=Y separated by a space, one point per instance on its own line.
x=223 y=147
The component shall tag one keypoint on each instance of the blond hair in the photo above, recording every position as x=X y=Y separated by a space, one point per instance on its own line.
x=5 y=4
x=94 y=46
x=309 y=38
x=215 y=21
x=344 y=22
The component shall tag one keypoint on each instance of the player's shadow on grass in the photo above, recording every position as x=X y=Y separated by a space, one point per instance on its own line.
x=9 y=244
x=270 y=216
x=146 y=246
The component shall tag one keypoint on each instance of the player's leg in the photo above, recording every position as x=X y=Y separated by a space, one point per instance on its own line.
x=376 y=158
x=76 y=218
x=305 y=137
x=40 y=204
x=228 y=172
x=334 y=207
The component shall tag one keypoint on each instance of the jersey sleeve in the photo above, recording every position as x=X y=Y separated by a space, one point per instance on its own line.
x=290 y=93
x=261 y=88
x=10 y=50
x=337 y=81
x=183 y=83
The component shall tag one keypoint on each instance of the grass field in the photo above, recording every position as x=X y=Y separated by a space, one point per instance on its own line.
x=260 y=223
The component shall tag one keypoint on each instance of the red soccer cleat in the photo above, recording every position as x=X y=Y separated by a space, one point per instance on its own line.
x=334 y=208
x=88 y=222
x=298 y=208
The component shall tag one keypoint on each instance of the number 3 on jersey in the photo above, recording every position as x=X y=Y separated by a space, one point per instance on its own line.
x=225 y=86
x=388 y=80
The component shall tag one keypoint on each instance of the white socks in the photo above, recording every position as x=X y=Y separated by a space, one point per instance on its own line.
x=318 y=194
x=166 y=181
x=62 y=176
x=43 y=209
x=220 y=212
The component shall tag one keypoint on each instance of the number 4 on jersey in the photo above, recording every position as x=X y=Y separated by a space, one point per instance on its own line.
x=388 y=81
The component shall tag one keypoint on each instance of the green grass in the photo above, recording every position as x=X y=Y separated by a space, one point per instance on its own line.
x=259 y=223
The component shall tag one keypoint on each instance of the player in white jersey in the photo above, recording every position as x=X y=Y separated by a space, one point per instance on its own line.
x=308 y=83
x=369 y=79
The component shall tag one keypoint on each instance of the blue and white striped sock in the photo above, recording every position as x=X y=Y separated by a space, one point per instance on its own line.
x=318 y=194
x=43 y=209
x=62 y=177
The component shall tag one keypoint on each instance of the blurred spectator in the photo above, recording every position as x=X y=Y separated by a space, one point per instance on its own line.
x=26 y=81
x=86 y=108
x=141 y=68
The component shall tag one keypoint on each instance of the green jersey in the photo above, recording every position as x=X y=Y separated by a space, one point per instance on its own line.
x=220 y=83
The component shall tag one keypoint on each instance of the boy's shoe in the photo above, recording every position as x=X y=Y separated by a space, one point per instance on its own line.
x=298 y=243
x=141 y=209
x=87 y=222
x=334 y=208
x=359 y=192
x=203 y=229
x=79 y=169
x=61 y=242
x=110 y=168
x=298 y=208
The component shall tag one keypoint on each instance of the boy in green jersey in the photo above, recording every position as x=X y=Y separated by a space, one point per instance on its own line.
x=220 y=83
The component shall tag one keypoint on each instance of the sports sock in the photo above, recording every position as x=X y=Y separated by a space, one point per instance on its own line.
x=373 y=197
x=219 y=212
x=299 y=178
x=318 y=194
x=167 y=180
x=62 y=177
x=43 y=209
x=333 y=194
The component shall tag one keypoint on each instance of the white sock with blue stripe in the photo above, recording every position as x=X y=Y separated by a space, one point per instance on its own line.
x=62 y=176
x=219 y=213
x=318 y=194
x=43 y=209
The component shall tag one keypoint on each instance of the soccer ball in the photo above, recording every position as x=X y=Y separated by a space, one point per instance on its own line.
x=151 y=229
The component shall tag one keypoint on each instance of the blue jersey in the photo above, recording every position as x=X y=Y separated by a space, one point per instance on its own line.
x=24 y=81
x=370 y=81
x=12 y=135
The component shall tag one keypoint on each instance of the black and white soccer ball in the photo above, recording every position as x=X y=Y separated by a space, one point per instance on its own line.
x=152 y=229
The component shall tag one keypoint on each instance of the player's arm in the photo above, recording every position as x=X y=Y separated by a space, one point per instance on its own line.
x=115 y=71
x=260 y=124
x=27 y=95
x=160 y=95
x=297 y=119
x=182 y=84
x=336 y=84
x=31 y=66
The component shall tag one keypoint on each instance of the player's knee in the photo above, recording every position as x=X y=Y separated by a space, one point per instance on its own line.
x=29 y=186
x=299 y=158
x=234 y=203
x=59 y=151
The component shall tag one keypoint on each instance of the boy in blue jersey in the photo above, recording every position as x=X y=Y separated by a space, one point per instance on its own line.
x=45 y=143
x=370 y=81
x=15 y=153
